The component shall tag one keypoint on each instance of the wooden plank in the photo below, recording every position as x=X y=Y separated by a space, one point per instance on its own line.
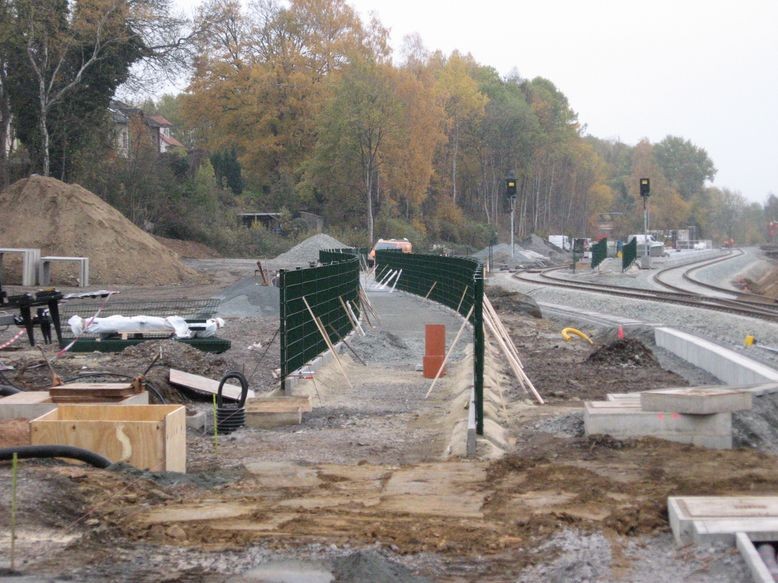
x=450 y=350
x=175 y=441
x=279 y=404
x=205 y=385
x=92 y=386
x=327 y=340
x=87 y=399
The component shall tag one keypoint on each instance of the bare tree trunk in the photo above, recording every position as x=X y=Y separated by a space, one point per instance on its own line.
x=45 y=140
x=454 y=163
x=368 y=190
x=5 y=131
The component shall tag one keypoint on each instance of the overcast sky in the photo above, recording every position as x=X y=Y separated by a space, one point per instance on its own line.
x=703 y=70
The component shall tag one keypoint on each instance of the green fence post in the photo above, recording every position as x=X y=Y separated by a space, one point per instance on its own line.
x=282 y=326
x=478 y=342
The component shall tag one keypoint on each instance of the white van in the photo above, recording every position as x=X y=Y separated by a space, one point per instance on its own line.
x=655 y=248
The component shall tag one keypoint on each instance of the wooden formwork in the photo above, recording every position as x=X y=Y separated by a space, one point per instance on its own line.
x=149 y=437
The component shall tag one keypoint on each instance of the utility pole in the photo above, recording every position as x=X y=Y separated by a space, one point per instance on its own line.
x=645 y=192
x=510 y=192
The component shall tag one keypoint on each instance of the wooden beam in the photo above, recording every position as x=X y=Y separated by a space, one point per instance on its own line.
x=205 y=385
x=327 y=340
x=434 y=283
x=448 y=354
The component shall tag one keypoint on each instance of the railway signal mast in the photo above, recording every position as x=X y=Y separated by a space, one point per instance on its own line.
x=645 y=192
x=510 y=192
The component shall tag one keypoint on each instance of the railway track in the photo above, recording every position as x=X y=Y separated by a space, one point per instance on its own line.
x=744 y=307
x=687 y=276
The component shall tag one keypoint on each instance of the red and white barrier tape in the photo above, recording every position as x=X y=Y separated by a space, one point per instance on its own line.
x=88 y=323
x=12 y=340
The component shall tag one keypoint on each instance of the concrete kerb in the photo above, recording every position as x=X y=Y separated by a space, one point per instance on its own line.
x=725 y=364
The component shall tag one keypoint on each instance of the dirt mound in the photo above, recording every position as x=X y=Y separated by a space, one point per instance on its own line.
x=371 y=566
x=173 y=354
x=626 y=352
x=507 y=301
x=307 y=251
x=189 y=249
x=68 y=220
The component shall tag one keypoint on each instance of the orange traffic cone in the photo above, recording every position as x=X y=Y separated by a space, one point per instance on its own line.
x=620 y=333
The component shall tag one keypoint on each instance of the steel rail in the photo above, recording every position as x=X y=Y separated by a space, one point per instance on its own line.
x=686 y=299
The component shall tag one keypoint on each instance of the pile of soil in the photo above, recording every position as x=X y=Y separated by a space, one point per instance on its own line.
x=626 y=352
x=516 y=302
x=189 y=249
x=68 y=220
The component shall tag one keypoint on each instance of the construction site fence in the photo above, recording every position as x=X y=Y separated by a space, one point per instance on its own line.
x=326 y=289
x=629 y=253
x=456 y=282
x=334 y=255
x=599 y=252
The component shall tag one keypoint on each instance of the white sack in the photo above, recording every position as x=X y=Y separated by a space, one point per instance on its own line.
x=130 y=325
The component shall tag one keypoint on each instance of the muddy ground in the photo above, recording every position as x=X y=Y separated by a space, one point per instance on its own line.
x=367 y=489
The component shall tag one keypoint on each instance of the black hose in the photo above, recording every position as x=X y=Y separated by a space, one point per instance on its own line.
x=4 y=380
x=52 y=451
x=232 y=416
x=155 y=391
x=6 y=390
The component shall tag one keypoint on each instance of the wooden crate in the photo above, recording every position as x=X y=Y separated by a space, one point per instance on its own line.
x=149 y=437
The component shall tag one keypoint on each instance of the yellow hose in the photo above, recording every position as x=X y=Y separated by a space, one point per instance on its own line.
x=569 y=333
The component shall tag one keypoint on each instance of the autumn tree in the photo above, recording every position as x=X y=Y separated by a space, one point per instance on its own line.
x=363 y=115
x=685 y=165
x=464 y=104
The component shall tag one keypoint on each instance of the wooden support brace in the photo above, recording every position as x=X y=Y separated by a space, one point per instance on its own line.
x=327 y=340
x=434 y=283
x=450 y=350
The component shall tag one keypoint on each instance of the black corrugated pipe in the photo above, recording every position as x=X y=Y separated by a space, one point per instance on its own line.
x=50 y=451
x=6 y=390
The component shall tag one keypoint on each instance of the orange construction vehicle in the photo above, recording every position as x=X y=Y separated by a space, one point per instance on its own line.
x=403 y=245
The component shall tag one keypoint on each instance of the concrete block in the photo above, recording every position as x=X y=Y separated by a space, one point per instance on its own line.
x=197 y=420
x=622 y=421
x=695 y=400
x=622 y=397
x=727 y=365
x=719 y=518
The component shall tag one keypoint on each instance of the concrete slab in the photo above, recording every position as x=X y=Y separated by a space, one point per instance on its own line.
x=622 y=397
x=624 y=421
x=695 y=400
x=720 y=518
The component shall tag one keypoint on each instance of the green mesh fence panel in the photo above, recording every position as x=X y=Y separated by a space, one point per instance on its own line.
x=322 y=287
x=456 y=282
x=599 y=252
x=628 y=254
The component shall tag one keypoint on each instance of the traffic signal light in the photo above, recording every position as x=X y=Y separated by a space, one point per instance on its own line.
x=510 y=187
x=645 y=187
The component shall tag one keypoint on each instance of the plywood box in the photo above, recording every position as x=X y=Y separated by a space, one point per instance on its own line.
x=149 y=437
